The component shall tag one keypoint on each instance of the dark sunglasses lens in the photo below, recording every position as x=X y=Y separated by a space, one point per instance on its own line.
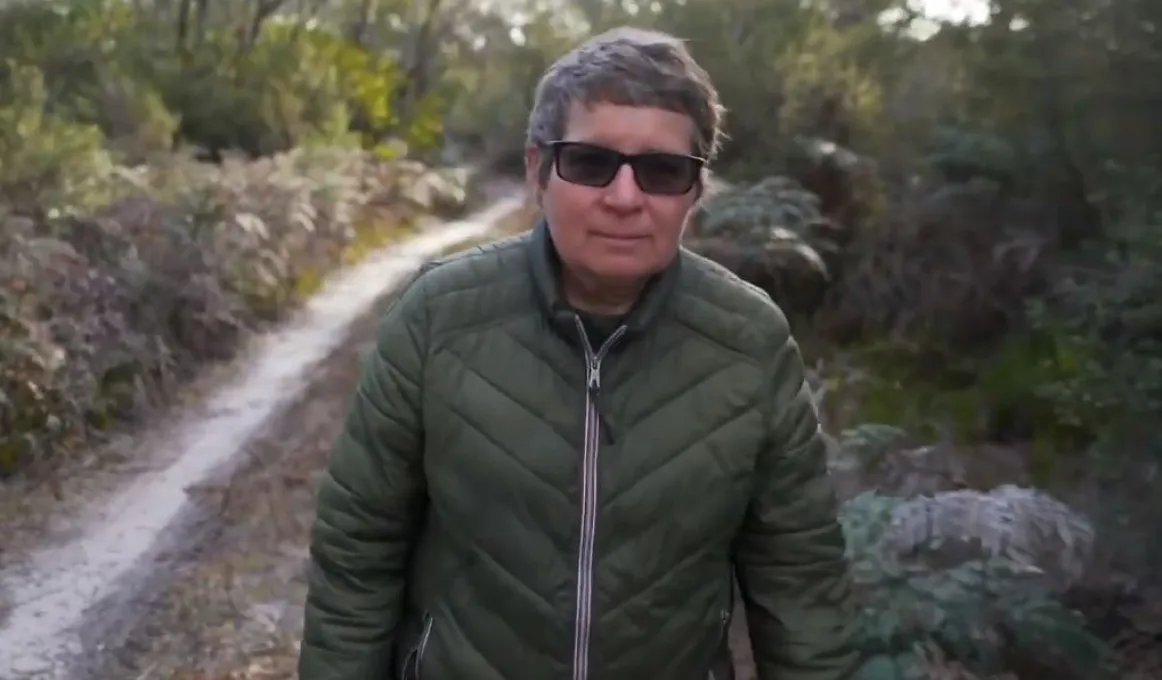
x=587 y=165
x=664 y=173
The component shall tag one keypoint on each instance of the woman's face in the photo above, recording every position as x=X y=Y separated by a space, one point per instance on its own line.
x=618 y=231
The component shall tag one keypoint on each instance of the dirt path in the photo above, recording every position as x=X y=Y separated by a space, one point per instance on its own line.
x=120 y=541
x=234 y=609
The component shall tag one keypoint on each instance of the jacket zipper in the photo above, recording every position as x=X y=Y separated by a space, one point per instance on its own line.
x=590 y=470
x=416 y=657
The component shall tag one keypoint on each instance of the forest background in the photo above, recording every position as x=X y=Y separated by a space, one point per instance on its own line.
x=959 y=207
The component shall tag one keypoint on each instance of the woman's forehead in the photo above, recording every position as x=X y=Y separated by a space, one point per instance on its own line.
x=630 y=129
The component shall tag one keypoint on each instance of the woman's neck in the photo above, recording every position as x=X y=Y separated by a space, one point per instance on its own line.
x=601 y=297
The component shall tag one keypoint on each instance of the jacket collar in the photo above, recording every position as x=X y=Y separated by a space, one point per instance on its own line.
x=545 y=265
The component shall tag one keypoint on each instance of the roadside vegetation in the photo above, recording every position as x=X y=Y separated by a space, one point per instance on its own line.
x=961 y=218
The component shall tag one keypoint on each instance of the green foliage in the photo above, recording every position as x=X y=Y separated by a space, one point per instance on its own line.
x=959 y=155
x=83 y=51
x=862 y=446
x=760 y=212
x=971 y=577
x=773 y=234
x=1106 y=318
x=125 y=266
x=47 y=162
x=1007 y=391
x=783 y=70
x=827 y=92
x=103 y=313
x=108 y=64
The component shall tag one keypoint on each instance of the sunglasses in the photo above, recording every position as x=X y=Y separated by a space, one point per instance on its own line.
x=657 y=173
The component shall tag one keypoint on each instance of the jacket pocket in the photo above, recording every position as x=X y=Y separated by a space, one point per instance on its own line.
x=414 y=661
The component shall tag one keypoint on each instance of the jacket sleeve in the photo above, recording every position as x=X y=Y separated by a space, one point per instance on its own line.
x=790 y=551
x=370 y=503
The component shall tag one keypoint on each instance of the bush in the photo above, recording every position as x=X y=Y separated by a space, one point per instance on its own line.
x=1107 y=302
x=45 y=160
x=971 y=577
x=772 y=234
x=120 y=68
x=103 y=312
x=124 y=265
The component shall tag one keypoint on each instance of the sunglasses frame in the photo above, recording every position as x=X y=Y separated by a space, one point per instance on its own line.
x=623 y=159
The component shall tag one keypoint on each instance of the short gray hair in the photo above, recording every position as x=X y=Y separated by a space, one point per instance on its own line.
x=628 y=67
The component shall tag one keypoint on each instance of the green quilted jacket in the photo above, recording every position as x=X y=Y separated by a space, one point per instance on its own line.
x=518 y=495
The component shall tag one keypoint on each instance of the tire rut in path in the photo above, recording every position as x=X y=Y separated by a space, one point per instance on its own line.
x=236 y=605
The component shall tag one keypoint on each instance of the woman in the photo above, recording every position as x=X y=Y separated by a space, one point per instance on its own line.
x=566 y=444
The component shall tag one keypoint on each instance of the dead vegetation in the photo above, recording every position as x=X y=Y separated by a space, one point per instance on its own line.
x=103 y=313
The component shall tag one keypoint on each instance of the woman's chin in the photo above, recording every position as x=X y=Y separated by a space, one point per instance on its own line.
x=624 y=267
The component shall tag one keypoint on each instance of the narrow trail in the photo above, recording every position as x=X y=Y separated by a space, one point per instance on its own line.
x=206 y=488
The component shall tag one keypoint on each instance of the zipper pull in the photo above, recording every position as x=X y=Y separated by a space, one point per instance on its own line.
x=594 y=386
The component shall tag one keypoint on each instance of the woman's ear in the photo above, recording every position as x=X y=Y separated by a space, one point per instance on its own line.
x=533 y=174
x=533 y=183
x=532 y=167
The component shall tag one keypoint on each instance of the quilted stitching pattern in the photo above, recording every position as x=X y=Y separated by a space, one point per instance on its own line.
x=499 y=400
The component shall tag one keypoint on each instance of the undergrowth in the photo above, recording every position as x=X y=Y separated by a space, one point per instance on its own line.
x=107 y=306
x=971 y=577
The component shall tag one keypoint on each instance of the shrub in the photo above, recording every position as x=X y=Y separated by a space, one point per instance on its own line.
x=970 y=576
x=102 y=313
x=1107 y=302
x=119 y=67
x=772 y=234
x=45 y=160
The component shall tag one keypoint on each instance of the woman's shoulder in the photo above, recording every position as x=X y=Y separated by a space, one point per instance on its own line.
x=726 y=308
x=482 y=265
